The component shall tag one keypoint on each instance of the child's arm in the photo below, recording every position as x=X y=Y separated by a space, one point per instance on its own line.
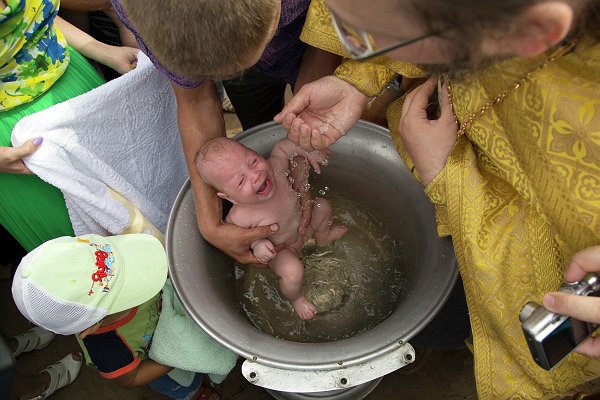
x=147 y=371
x=121 y=59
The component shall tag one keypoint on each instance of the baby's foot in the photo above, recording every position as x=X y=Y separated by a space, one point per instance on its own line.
x=335 y=232
x=304 y=308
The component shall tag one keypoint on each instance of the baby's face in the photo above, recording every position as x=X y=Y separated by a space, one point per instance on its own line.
x=244 y=176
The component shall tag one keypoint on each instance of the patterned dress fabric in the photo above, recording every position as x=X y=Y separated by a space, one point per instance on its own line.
x=33 y=53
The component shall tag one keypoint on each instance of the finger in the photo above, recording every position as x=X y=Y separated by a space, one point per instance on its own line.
x=28 y=148
x=421 y=96
x=288 y=120
x=298 y=103
x=247 y=258
x=587 y=260
x=327 y=140
x=304 y=141
x=579 y=307
x=297 y=125
x=315 y=164
x=590 y=347
x=24 y=169
x=316 y=140
x=294 y=136
x=446 y=114
x=260 y=232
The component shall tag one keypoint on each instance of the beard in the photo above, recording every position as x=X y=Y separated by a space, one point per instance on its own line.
x=464 y=61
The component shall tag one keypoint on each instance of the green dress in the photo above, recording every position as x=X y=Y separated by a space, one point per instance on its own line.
x=37 y=70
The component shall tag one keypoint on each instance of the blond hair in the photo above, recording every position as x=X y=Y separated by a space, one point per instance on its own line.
x=210 y=153
x=204 y=38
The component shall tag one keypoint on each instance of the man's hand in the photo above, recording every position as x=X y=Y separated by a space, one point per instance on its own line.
x=584 y=308
x=235 y=241
x=322 y=112
x=428 y=142
x=11 y=157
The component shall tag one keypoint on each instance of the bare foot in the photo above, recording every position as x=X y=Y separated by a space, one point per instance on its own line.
x=335 y=232
x=304 y=308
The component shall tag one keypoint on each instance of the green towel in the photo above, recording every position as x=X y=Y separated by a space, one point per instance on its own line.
x=179 y=342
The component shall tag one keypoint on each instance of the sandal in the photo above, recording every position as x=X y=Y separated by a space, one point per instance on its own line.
x=62 y=373
x=207 y=390
x=34 y=339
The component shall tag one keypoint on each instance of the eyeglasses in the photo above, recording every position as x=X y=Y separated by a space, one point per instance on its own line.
x=359 y=43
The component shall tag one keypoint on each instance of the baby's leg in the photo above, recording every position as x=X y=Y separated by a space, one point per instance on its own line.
x=289 y=269
x=324 y=232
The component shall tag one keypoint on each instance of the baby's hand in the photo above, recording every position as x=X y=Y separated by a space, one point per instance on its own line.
x=264 y=250
x=318 y=157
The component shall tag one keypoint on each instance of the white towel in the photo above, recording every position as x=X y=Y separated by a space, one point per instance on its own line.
x=122 y=136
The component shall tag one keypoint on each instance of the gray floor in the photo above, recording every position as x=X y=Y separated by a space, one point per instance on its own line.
x=442 y=375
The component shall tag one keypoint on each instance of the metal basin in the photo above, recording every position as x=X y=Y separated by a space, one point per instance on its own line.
x=366 y=169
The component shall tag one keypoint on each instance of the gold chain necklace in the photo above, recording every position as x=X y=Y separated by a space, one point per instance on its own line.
x=491 y=103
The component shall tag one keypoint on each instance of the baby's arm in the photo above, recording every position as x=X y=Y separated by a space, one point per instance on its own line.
x=147 y=371
x=263 y=250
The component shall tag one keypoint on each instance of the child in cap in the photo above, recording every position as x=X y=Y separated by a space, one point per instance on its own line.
x=107 y=291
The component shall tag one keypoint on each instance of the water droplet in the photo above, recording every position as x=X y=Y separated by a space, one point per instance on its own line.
x=318 y=204
x=326 y=188
x=322 y=192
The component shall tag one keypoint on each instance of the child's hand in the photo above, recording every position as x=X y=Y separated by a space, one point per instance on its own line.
x=318 y=157
x=124 y=59
x=264 y=251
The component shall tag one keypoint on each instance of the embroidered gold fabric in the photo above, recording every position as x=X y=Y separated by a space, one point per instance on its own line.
x=370 y=77
x=520 y=194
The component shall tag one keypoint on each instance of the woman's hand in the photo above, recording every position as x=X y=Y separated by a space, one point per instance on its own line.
x=11 y=157
x=584 y=308
x=321 y=112
x=428 y=142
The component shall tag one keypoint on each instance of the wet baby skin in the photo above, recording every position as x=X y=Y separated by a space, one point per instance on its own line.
x=273 y=191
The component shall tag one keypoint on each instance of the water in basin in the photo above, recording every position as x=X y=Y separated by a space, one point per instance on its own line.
x=354 y=282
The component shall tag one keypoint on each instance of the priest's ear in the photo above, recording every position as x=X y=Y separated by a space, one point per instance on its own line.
x=536 y=29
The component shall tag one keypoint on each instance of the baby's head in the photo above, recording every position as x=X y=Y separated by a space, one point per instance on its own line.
x=238 y=173
x=69 y=284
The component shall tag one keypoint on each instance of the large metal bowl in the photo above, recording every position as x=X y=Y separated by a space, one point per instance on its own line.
x=367 y=169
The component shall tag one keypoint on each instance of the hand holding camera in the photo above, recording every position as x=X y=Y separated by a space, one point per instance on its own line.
x=570 y=316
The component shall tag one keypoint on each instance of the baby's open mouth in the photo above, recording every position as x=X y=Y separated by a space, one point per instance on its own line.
x=264 y=188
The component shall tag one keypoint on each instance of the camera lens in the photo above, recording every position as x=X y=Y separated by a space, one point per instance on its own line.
x=527 y=310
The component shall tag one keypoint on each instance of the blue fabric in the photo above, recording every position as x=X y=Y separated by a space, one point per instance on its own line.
x=109 y=352
x=168 y=387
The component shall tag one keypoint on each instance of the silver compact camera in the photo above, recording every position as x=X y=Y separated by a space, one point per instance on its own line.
x=551 y=337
